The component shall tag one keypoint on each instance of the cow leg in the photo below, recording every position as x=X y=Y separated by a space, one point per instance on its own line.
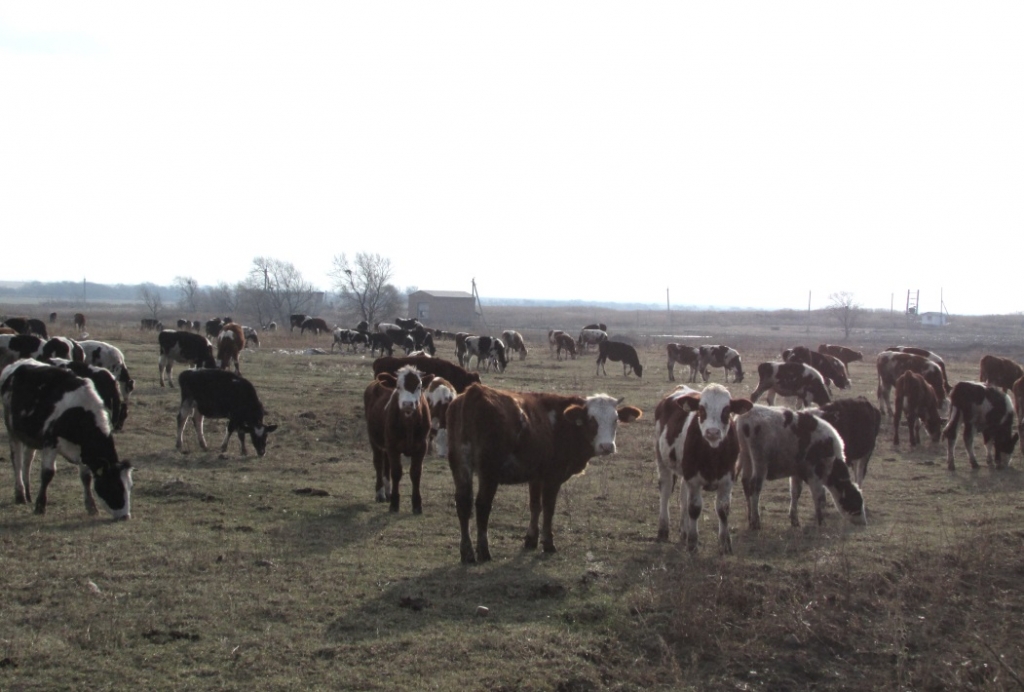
x=666 y=479
x=90 y=502
x=883 y=398
x=184 y=413
x=533 y=531
x=795 y=489
x=549 y=495
x=671 y=367
x=464 y=509
x=693 y=373
x=227 y=437
x=818 y=493
x=21 y=461
x=896 y=416
x=415 y=472
x=395 y=459
x=949 y=433
x=722 y=503
x=197 y=423
x=969 y=444
x=752 y=490
x=600 y=367
x=484 y=497
x=693 y=505
x=382 y=490
x=46 y=472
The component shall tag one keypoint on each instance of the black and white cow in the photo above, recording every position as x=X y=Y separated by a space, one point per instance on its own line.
x=857 y=421
x=380 y=342
x=49 y=408
x=106 y=386
x=831 y=368
x=616 y=351
x=684 y=355
x=183 y=347
x=986 y=408
x=17 y=346
x=791 y=379
x=487 y=349
x=351 y=337
x=222 y=394
x=104 y=355
x=719 y=356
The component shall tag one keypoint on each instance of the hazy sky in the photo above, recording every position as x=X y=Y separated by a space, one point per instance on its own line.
x=736 y=153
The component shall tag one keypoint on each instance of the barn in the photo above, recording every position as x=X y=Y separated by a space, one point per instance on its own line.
x=443 y=308
x=934 y=319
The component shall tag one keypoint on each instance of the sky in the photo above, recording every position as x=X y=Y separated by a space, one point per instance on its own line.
x=729 y=154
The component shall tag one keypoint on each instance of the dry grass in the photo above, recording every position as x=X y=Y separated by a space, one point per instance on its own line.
x=233 y=575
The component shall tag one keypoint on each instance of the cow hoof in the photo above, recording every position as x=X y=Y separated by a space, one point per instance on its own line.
x=662 y=536
x=483 y=555
x=417 y=510
x=393 y=508
x=40 y=509
x=21 y=499
x=468 y=558
x=530 y=543
x=550 y=548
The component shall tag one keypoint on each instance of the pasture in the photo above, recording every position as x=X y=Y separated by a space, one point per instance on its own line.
x=283 y=573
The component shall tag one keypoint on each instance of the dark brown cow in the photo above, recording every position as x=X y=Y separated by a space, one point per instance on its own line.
x=553 y=338
x=857 y=421
x=564 y=342
x=830 y=367
x=616 y=351
x=459 y=377
x=915 y=396
x=79 y=321
x=684 y=355
x=891 y=364
x=924 y=353
x=315 y=325
x=398 y=423
x=1000 y=372
x=538 y=438
x=791 y=379
x=229 y=344
x=846 y=355
x=986 y=408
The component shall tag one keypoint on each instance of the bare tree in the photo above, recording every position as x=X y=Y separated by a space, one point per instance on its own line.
x=188 y=288
x=150 y=295
x=280 y=289
x=845 y=309
x=365 y=285
x=225 y=299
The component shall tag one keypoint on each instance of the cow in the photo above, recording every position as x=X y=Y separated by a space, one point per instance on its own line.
x=924 y=353
x=776 y=442
x=616 y=351
x=37 y=327
x=684 y=355
x=315 y=325
x=63 y=347
x=719 y=356
x=351 y=337
x=986 y=408
x=538 y=438
x=398 y=336
x=553 y=339
x=229 y=344
x=222 y=394
x=457 y=376
x=106 y=386
x=53 y=318
x=252 y=337
x=1000 y=372
x=17 y=346
x=183 y=324
x=183 y=347
x=104 y=355
x=196 y=326
x=598 y=325
x=150 y=324
x=438 y=394
x=891 y=364
x=272 y=327
x=398 y=424
x=51 y=409
x=915 y=396
x=695 y=440
x=514 y=342
x=18 y=324
x=857 y=421
x=79 y=322
x=408 y=323
x=380 y=342
x=214 y=327
x=296 y=320
x=564 y=342
x=590 y=337
x=486 y=348
x=831 y=368
x=846 y=355
x=791 y=379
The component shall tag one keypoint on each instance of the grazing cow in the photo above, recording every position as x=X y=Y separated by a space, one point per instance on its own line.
x=857 y=421
x=53 y=318
x=183 y=347
x=542 y=439
x=831 y=368
x=684 y=355
x=915 y=396
x=272 y=327
x=439 y=394
x=63 y=347
x=514 y=342
x=150 y=324
x=398 y=336
x=553 y=339
x=106 y=386
x=296 y=320
x=315 y=325
x=791 y=379
x=104 y=355
x=986 y=408
x=616 y=351
x=252 y=337
x=488 y=349
x=719 y=356
x=222 y=394
x=776 y=442
x=380 y=342
x=53 y=410
x=924 y=353
x=891 y=364
x=844 y=354
x=598 y=325
x=79 y=321
x=590 y=337
x=1000 y=372
x=695 y=440
x=351 y=337
x=18 y=324
x=457 y=376
x=398 y=423
x=35 y=326
x=229 y=344
x=564 y=342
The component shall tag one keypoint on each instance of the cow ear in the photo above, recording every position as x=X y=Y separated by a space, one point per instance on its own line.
x=387 y=379
x=740 y=406
x=628 y=414
x=575 y=414
x=270 y=428
x=688 y=403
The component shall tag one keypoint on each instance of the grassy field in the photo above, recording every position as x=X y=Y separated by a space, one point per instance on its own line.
x=282 y=573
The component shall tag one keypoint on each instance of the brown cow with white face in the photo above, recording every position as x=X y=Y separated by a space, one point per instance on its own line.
x=891 y=364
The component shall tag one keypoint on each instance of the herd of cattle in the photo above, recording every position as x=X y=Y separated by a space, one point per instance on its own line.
x=67 y=397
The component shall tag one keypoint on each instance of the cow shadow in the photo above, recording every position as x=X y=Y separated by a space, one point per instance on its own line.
x=339 y=527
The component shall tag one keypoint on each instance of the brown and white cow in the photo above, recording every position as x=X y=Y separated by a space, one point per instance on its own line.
x=844 y=354
x=684 y=355
x=514 y=342
x=986 y=408
x=398 y=423
x=891 y=364
x=720 y=356
x=857 y=421
x=564 y=342
x=439 y=394
x=776 y=442
x=930 y=355
x=830 y=367
x=917 y=398
x=791 y=379
x=230 y=343
x=695 y=440
x=1000 y=372
x=538 y=438
x=553 y=338
x=457 y=376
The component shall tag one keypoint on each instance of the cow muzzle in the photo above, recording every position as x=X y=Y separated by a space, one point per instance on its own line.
x=605 y=448
x=713 y=436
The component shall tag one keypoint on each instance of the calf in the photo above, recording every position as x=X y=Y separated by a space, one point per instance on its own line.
x=695 y=440
x=857 y=421
x=315 y=325
x=439 y=394
x=891 y=364
x=53 y=410
x=776 y=442
x=791 y=379
x=514 y=342
x=541 y=439
x=844 y=354
x=489 y=348
x=986 y=408
x=351 y=337
x=616 y=351
x=252 y=337
x=183 y=347
x=915 y=396
x=222 y=394
x=590 y=336
x=229 y=344
x=1001 y=372
x=831 y=368
x=457 y=376
x=684 y=355
x=719 y=356
x=79 y=322
x=564 y=342
x=398 y=423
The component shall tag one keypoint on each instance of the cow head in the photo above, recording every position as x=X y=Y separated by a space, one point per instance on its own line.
x=113 y=485
x=259 y=434
x=715 y=408
x=600 y=417
x=408 y=389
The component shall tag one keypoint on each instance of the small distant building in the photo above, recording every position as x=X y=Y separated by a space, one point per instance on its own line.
x=934 y=319
x=443 y=308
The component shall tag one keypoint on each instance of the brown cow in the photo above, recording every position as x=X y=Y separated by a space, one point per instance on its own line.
x=847 y=355
x=459 y=378
x=538 y=438
x=564 y=342
x=1001 y=372
x=79 y=321
x=925 y=353
x=229 y=344
x=830 y=367
x=917 y=397
x=891 y=364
